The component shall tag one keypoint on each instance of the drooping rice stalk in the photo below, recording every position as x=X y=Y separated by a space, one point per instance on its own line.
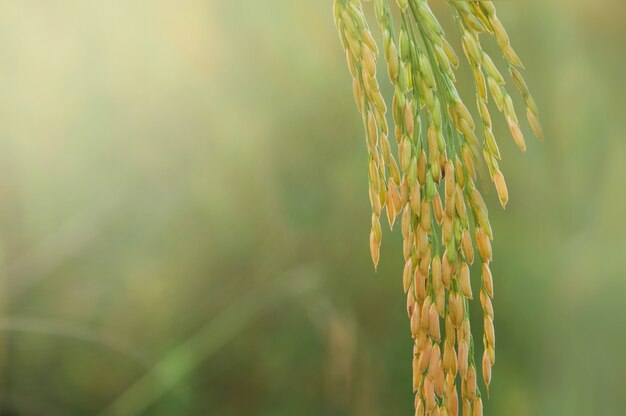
x=430 y=182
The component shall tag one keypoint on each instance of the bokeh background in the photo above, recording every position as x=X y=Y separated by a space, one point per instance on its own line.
x=184 y=216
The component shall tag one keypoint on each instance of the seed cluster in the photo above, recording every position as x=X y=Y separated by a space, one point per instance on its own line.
x=431 y=184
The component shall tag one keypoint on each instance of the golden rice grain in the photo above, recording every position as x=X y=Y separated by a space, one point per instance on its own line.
x=487 y=279
x=429 y=395
x=417 y=376
x=485 y=303
x=467 y=246
x=407 y=274
x=436 y=273
x=463 y=352
x=374 y=249
x=456 y=308
x=517 y=134
x=425 y=321
x=467 y=408
x=484 y=245
x=477 y=407
x=449 y=358
x=433 y=324
x=438 y=208
x=501 y=189
x=471 y=383
x=410 y=304
x=534 y=124
x=486 y=368
x=464 y=279
x=446 y=271
x=489 y=331
x=434 y=363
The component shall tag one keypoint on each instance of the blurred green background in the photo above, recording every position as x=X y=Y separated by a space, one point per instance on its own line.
x=184 y=216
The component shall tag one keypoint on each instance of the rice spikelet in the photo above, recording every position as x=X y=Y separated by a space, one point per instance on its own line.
x=430 y=180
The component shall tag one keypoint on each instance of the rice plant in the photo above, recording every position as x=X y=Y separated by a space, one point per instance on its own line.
x=430 y=180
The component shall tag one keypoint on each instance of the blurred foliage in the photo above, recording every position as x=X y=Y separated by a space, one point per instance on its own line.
x=184 y=216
